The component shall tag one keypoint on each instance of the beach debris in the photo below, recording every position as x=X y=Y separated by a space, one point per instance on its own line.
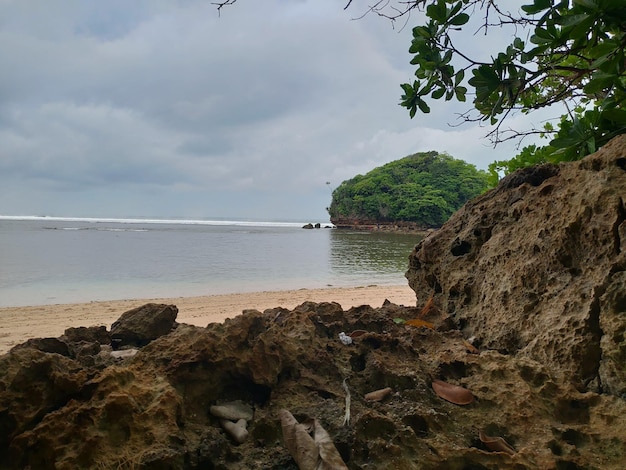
x=124 y=353
x=237 y=430
x=232 y=410
x=378 y=395
x=496 y=444
x=234 y=417
x=470 y=347
x=345 y=339
x=418 y=322
x=309 y=452
x=346 y=417
x=452 y=393
x=429 y=307
x=357 y=333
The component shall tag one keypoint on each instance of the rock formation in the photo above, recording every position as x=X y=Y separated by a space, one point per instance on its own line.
x=513 y=357
x=537 y=268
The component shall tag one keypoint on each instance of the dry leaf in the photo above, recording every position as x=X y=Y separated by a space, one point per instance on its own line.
x=420 y=323
x=452 y=393
x=496 y=444
x=331 y=460
x=310 y=453
x=300 y=445
x=470 y=347
x=357 y=333
x=378 y=395
x=430 y=305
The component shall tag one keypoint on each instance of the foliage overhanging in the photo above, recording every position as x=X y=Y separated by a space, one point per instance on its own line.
x=564 y=52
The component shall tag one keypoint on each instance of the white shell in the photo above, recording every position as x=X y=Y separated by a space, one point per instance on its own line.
x=345 y=339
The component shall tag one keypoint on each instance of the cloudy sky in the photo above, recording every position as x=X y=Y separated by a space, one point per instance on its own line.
x=163 y=108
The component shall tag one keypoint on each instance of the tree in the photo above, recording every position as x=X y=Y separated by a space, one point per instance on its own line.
x=424 y=188
x=574 y=57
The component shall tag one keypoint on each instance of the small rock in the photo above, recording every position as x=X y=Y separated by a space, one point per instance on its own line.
x=234 y=410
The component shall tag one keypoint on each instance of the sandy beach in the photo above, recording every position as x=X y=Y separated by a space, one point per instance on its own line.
x=17 y=324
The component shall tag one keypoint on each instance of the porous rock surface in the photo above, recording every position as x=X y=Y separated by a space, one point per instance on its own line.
x=534 y=270
x=537 y=268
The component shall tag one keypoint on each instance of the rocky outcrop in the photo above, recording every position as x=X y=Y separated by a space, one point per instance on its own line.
x=377 y=225
x=153 y=410
x=536 y=267
x=143 y=324
x=514 y=357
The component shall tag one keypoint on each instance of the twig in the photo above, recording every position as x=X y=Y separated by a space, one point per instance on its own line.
x=346 y=418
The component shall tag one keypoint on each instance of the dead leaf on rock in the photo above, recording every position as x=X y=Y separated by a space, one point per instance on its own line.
x=310 y=453
x=429 y=307
x=378 y=395
x=496 y=444
x=452 y=393
x=470 y=347
x=418 y=322
x=331 y=460
x=300 y=445
x=357 y=333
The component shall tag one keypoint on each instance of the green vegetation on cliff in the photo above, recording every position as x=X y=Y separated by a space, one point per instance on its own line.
x=424 y=188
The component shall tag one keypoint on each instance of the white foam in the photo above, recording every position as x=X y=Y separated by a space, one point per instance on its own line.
x=244 y=223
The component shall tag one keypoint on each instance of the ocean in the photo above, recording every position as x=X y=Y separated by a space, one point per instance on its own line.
x=50 y=260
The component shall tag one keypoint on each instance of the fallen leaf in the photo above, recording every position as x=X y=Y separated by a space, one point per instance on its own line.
x=470 y=347
x=420 y=323
x=300 y=445
x=357 y=333
x=310 y=453
x=496 y=444
x=331 y=460
x=452 y=393
x=378 y=395
x=430 y=305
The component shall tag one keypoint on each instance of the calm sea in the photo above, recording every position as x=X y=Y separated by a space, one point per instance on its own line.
x=49 y=260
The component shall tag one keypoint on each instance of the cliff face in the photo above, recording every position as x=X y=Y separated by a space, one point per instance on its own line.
x=537 y=268
x=532 y=273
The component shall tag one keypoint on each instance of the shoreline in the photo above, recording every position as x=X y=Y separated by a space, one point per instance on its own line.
x=18 y=324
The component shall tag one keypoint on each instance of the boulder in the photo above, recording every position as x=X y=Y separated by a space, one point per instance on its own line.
x=139 y=326
x=91 y=334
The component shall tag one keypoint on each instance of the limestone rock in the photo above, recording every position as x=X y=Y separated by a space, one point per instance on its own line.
x=92 y=334
x=524 y=267
x=139 y=326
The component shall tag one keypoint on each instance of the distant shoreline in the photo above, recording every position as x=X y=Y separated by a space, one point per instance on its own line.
x=18 y=324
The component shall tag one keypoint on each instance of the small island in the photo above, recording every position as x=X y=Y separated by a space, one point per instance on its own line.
x=418 y=192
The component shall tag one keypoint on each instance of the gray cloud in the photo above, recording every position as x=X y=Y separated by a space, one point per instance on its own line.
x=162 y=108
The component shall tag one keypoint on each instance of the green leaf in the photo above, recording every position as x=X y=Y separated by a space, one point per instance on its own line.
x=460 y=93
x=423 y=106
x=458 y=78
x=438 y=93
x=460 y=19
x=539 y=40
x=539 y=5
x=599 y=82
x=616 y=115
x=437 y=11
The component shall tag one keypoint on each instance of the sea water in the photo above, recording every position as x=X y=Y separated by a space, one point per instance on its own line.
x=45 y=260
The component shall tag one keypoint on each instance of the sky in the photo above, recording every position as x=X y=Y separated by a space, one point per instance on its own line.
x=165 y=108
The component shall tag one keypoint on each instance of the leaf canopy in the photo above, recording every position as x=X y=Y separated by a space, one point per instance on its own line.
x=425 y=188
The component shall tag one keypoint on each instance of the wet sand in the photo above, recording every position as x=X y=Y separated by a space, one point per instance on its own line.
x=17 y=324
